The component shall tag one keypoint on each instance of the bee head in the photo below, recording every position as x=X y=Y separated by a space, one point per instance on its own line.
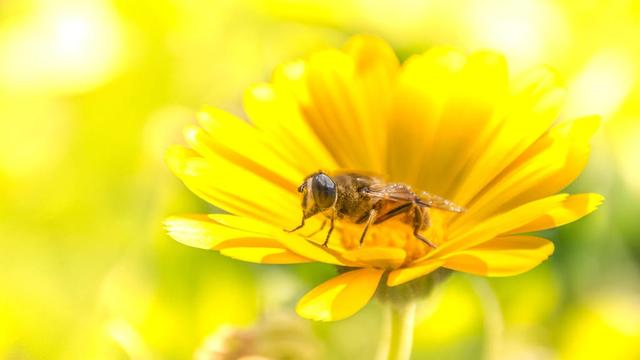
x=319 y=193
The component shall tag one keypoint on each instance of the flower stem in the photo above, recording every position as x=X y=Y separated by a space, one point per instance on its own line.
x=398 y=331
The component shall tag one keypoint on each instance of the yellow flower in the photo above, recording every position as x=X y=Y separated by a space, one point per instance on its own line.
x=453 y=124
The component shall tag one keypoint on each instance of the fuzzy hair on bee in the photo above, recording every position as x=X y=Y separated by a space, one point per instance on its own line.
x=368 y=200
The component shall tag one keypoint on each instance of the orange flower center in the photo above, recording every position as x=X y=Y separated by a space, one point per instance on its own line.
x=395 y=233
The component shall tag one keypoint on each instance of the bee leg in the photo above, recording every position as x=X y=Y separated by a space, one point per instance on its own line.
x=324 y=222
x=326 y=240
x=372 y=216
x=297 y=227
x=395 y=212
x=421 y=220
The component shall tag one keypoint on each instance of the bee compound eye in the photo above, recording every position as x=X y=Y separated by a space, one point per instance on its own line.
x=323 y=190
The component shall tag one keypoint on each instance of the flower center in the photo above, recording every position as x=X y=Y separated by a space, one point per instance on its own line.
x=395 y=233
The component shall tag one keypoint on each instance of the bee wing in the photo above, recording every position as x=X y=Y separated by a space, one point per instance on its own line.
x=403 y=193
x=438 y=202
x=392 y=192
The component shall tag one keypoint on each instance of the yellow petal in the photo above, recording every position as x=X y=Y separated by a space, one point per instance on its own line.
x=503 y=256
x=468 y=121
x=275 y=112
x=336 y=96
x=576 y=136
x=198 y=231
x=349 y=97
x=264 y=255
x=376 y=67
x=332 y=112
x=572 y=209
x=546 y=167
x=289 y=80
x=478 y=233
x=233 y=188
x=373 y=56
x=412 y=272
x=378 y=257
x=177 y=157
x=340 y=297
x=292 y=242
x=417 y=108
x=247 y=239
x=258 y=153
x=531 y=109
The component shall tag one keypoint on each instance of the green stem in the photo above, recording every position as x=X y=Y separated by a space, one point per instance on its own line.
x=398 y=337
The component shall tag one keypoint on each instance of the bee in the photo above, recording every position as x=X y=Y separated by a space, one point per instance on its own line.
x=368 y=200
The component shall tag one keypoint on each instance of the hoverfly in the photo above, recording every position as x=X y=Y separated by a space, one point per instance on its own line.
x=368 y=200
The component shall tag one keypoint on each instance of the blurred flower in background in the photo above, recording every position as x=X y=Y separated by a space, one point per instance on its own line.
x=92 y=93
x=279 y=336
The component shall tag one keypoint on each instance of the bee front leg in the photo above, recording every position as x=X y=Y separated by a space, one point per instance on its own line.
x=297 y=227
x=326 y=240
x=421 y=220
x=324 y=222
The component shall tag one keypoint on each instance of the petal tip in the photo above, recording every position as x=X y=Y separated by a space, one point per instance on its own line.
x=596 y=200
x=259 y=92
x=302 y=311
x=340 y=297
x=177 y=227
x=394 y=280
x=175 y=156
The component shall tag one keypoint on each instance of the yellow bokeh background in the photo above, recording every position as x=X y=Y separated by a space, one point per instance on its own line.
x=93 y=91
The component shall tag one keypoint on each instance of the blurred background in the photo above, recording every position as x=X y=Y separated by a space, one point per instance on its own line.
x=93 y=91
